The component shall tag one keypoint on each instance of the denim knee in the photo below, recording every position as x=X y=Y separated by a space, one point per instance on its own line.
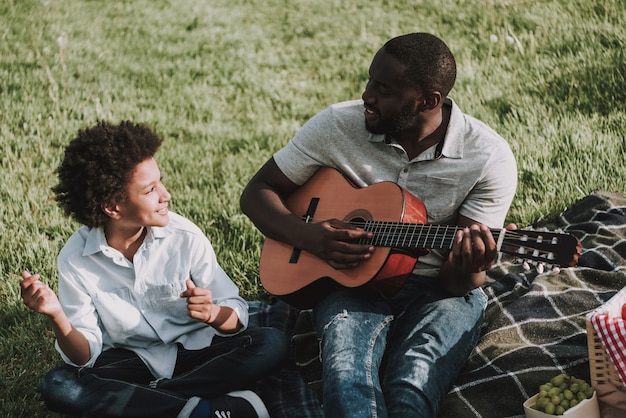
x=59 y=391
x=272 y=343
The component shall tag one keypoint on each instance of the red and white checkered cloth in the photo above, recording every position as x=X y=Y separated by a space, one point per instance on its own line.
x=612 y=333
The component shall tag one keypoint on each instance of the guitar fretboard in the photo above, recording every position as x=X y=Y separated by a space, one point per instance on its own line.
x=406 y=235
x=531 y=245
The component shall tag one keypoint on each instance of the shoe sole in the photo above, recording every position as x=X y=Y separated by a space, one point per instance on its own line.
x=255 y=401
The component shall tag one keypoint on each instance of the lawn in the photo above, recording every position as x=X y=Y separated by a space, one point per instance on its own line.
x=226 y=83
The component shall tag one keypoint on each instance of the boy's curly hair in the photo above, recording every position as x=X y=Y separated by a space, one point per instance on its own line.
x=98 y=166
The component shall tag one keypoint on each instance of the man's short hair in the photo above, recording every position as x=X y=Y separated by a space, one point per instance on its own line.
x=429 y=62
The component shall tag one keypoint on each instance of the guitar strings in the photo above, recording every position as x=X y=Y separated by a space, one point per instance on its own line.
x=539 y=246
x=395 y=231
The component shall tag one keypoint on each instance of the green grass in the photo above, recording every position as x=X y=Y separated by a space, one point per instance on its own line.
x=226 y=83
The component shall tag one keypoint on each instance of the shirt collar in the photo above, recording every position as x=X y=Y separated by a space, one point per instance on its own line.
x=96 y=240
x=452 y=141
x=377 y=138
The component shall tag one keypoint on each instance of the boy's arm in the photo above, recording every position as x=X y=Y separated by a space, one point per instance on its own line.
x=40 y=298
x=200 y=306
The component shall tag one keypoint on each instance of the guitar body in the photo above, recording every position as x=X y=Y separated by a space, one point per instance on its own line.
x=301 y=278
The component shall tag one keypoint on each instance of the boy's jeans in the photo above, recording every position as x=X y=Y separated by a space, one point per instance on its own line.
x=394 y=358
x=120 y=384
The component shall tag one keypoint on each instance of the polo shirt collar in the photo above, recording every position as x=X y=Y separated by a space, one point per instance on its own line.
x=377 y=137
x=453 y=140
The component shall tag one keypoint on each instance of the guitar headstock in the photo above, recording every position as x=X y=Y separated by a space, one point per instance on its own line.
x=553 y=248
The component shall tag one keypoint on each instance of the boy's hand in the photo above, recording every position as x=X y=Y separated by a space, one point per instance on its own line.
x=38 y=296
x=200 y=304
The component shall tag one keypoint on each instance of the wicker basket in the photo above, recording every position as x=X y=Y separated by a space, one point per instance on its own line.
x=601 y=367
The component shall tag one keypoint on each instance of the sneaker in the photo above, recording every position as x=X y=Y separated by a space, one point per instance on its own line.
x=239 y=404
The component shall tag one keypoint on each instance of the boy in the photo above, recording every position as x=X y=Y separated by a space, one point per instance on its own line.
x=146 y=320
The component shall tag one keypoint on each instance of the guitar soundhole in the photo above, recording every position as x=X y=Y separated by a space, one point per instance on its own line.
x=358 y=216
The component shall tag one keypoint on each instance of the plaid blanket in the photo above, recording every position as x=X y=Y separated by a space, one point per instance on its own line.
x=534 y=325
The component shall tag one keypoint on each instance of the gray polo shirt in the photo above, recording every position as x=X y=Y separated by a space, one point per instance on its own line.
x=473 y=174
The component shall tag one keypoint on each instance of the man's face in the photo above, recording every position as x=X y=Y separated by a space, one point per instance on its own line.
x=147 y=201
x=392 y=103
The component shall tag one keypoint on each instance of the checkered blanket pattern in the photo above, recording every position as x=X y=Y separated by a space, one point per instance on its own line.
x=534 y=326
x=285 y=393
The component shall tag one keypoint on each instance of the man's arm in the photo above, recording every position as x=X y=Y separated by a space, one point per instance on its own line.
x=473 y=252
x=262 y=201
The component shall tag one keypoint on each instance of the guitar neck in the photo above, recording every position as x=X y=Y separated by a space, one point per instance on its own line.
x=407 y=235
x=543 y=246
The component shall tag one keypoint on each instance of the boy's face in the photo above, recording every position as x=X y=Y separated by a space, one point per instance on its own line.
x=146 y=204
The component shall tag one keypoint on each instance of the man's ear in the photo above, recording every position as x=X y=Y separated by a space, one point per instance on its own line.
x=111 y=209
x=429 y=101
x=432 y=100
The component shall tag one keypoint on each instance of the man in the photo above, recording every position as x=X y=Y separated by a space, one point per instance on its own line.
x=147 y=322
x=396 y=355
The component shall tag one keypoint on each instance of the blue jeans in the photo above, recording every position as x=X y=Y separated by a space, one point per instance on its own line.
x=120 y=384
x=394 y=358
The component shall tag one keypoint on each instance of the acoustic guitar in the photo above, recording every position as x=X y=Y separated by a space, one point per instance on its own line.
x=401 y=234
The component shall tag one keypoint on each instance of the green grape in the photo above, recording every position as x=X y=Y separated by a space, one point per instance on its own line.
x=545 y=387
x=554 y=392
x=558 y=380
x=561 y=393
x=542 y=402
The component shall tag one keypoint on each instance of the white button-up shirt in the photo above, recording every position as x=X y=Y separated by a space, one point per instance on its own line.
x=137 y=305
